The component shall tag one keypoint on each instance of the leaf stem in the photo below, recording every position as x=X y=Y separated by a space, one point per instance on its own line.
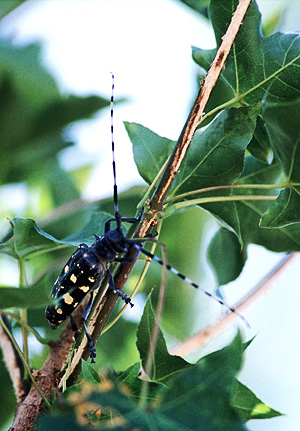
x=229 y=186
x=23 y=312
x=214 y=199
x=41 y=339
x=155 y=330
x=220 y=108
x=152 y=186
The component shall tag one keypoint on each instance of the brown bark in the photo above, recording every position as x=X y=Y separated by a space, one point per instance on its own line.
x=46 y=378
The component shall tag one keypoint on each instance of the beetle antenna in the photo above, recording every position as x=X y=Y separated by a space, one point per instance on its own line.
x=117 y=214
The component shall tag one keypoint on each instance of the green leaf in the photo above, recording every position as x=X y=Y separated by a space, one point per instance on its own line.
x=8 y=400
x=259 y=146
x=61 y=188
x=58 y=114
x=35 y=296
x=226 y=256
x=164 y=365
x=283 y=127
x=27 y=239
x=216 y=155
x=89 y=373
x=150 y=150
x=95 y=225
x=284 y=211
x=130 y=378
x=249 y=406
x=21 y=69
x=200 y=396
x=282 y=238
x=250 y=213
x=256 y=65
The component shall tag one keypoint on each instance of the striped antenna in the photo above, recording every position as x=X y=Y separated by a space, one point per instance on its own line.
x=117 y=214
x=189 y=281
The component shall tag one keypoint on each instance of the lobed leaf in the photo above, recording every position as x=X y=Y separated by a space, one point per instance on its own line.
x=216 y=157
x=150 y=150
x=284 y=211
x=27 y=239
x=259 y=66
x=249 y=406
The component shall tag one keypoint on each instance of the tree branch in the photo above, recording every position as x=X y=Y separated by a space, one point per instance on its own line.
x=101 y=314
x=46 y=378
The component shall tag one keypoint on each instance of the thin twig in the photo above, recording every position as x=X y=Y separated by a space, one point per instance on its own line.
x=198 y=340
x=12 y=361
x=155 y=331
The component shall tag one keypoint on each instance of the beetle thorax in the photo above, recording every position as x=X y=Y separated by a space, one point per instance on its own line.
x=108 y=246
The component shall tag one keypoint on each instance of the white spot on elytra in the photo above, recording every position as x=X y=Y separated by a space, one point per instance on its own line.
x=73 y=278
x=68 y=298
x=84 y=288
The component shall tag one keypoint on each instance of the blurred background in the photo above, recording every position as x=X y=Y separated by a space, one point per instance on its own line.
x=147 y=45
